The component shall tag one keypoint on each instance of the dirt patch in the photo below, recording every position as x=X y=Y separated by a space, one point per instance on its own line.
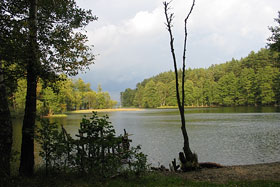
x=270 y=171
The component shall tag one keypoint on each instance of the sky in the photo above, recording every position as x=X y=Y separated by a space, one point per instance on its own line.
x=131 y=42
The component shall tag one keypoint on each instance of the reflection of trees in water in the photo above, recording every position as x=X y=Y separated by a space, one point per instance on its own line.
x=227 y=138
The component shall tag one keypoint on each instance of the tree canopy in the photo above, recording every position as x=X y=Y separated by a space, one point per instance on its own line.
x=61 y=96
x=253 y=80
x=60 y=36
x=42 y=39
x=274 y=40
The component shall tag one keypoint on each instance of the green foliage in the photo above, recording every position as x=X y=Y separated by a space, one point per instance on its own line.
x=265 y=78
x=19 y=96
x=276 y=87
x=128 y=95
x=96 y=140
x=44 y=39
x=246 y=87
x=61 y=42
x=56 y=146
x=150 y=97
x=96 y=150
x=227 y=87
x=274 y=40
x=64 y=95
x=253 y=80
x=150 y=179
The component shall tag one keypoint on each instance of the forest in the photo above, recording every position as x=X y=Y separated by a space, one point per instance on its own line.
x=250 y=81
x=62 y=96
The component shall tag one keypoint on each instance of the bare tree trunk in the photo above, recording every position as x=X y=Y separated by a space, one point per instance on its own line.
x=188 y=155
x=186 y=148
x=6 y=130
x=27 y=146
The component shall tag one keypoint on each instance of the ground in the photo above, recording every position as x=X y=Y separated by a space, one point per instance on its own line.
x=248 y=175
x=267 y=172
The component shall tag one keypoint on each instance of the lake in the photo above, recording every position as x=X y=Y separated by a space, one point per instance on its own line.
x=229 y=136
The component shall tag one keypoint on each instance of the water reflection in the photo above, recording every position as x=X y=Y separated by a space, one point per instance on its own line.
x=230 y=136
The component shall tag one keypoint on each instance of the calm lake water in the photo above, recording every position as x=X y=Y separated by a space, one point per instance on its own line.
x=230 y=136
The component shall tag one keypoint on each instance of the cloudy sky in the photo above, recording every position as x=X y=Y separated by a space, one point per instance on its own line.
x=132 y=43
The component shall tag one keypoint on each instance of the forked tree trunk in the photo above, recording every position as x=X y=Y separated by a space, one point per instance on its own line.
x=187 y=156
x=27 y=146
x=6 y=130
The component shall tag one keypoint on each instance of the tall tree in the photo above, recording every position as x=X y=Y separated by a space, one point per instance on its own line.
x=139 y=95
x=162 y=92
x=172 y=99
x=277 y=88
x=186 y=157
x=150 y=97
x=27 y=146
x=274 y=40
x=264 y=79
x=189 y=96
x=245 y=87
x=9 y=45
x=6 y=129
x=54 y=46
x=227 y=89
x=127 y=97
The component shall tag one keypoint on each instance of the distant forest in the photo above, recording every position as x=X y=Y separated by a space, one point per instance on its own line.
x=253 y=80
x=64 y=95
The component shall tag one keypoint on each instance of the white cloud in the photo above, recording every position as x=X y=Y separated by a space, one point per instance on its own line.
x=133 y=43
x=143 y=22
x=125 y=43
x=234 y=19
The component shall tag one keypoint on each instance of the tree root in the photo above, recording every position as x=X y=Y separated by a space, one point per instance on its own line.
x=210 y=165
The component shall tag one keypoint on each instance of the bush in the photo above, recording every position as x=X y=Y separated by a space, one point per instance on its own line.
x=96 y=150
x=56 y=146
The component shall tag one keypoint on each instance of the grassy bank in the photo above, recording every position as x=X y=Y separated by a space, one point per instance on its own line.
x=171 y=107
x=88 y=111
x=149 y=179
x=56 y=116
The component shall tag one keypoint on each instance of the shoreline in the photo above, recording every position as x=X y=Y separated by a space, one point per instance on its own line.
x=88 y=111
x=251 y=172
x=265 y=174
x=216 y=106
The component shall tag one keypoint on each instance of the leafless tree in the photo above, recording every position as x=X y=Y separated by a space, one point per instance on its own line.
x=188 y=159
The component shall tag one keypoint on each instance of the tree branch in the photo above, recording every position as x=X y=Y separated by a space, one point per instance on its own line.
x=169 y=17
x=184 y=55
x=187 y=155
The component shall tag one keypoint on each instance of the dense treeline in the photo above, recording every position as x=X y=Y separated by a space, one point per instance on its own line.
x=254 y=80
x=64 y=95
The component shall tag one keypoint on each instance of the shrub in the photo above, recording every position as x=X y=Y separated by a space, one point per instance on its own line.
x=96 y=150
